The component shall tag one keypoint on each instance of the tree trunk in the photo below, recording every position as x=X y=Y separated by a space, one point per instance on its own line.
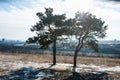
x=54 y=51
x=75 y=57
x=78 y=48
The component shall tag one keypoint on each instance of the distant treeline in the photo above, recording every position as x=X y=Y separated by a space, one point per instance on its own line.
x=112 y=48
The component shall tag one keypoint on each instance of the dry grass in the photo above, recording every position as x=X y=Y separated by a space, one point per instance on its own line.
x=41 y=58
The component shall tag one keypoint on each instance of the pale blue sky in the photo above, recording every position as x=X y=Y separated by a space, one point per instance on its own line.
x=17 y=16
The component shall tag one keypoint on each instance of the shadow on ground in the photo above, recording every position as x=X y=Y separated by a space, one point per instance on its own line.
x=51 y=74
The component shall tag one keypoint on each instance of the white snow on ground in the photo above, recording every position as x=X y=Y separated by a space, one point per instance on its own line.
x=61 y=66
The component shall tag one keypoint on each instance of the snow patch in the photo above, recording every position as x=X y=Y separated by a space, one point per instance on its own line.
x=61 y=66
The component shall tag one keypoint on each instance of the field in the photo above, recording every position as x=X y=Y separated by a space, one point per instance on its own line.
x=98 y=68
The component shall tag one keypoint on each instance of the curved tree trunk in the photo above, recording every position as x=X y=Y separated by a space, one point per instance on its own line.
x=78 y=48
x=54 y=50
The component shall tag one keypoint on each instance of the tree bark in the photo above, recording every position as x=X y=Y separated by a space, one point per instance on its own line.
x=54 y=50
x=78 y=48
x=75 y=58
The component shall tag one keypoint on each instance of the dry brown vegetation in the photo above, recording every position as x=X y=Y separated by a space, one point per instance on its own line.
x=41 y=58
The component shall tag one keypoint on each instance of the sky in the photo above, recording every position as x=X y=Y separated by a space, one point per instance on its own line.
x=17 y=16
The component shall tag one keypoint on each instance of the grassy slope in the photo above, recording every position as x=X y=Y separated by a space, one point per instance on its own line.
x=41 y=58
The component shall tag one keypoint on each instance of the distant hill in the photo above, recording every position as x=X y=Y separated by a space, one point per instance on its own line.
x=106 y=47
